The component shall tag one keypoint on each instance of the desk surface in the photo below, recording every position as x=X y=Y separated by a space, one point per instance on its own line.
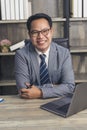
x=23 y=114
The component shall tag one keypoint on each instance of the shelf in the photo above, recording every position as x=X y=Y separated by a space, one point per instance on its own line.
x=53 y=19
x=7 y=54
x=25 y=20
x=80 y=78
x=7 y=83
x=78 y=49
x=12 y=21
x=58 y=19
x=78 y=19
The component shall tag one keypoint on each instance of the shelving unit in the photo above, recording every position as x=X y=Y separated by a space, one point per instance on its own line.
x=8 y=83
x=4 y=82
x=80 y=77
x=15 y=31
x=18 y=29
x=81 y=53
x=7 y=54
x=78 y=47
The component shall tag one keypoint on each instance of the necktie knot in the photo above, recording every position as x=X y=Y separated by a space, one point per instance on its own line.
x=43 y=56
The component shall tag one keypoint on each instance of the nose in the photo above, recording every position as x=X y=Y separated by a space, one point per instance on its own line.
x=40 y=34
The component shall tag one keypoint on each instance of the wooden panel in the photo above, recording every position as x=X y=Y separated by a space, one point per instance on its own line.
x=78 y=31
x=79 y=63
x=54 y=8
x=80 y=77
x=6 y=67
x=8 y=90
x=58 y=29
x=15 y=32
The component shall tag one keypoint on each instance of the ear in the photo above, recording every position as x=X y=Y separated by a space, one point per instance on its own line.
x=52 y=30
x=29 y=34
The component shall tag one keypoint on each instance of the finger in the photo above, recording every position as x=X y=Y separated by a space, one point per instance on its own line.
x=27 y=84
x=24 y=90
x=25 y=96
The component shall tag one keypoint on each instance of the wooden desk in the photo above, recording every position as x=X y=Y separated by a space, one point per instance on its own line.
x=22 y=114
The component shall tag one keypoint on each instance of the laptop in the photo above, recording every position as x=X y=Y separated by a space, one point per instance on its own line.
x=70 y=104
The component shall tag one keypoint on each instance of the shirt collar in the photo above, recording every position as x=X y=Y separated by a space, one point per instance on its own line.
x=46 y=53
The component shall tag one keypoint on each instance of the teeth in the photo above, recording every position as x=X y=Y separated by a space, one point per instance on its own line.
x=40 y=42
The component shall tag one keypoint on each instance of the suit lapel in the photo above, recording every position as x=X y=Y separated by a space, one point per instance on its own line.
x=33 y=56
x=52 y=63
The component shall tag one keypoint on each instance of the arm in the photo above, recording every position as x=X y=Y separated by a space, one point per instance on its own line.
x=23 y=77
x=21 y=70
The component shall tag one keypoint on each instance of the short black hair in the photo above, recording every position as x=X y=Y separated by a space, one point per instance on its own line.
x=38 y=16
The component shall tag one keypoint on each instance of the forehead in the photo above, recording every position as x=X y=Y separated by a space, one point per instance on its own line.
x=39 y=24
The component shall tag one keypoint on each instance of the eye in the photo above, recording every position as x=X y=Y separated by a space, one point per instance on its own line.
x=45 y=31
x=34 y=32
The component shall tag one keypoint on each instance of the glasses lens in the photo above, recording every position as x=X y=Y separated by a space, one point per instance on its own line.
x=34 y=34
x=45 y=32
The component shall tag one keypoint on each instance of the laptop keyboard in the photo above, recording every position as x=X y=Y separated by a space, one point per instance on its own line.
x=58 y=106
x=64 y=108
x=54 y=107
x=51 y=105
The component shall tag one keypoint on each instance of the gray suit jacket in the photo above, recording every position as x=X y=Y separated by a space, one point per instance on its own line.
x=59 y=67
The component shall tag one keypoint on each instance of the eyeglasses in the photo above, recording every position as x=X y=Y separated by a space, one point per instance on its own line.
x=43 y=32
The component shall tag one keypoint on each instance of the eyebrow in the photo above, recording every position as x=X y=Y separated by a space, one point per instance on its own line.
x=40 y=30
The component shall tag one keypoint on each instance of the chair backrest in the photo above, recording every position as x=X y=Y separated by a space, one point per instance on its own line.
x=60 y=41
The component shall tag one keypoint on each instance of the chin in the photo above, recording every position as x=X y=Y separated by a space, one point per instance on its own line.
x=43 y=48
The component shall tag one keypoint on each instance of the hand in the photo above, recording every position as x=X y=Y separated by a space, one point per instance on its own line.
x=28 y=85
x=31 y=93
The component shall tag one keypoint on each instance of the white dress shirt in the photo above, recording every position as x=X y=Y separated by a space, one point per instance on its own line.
x=46 y=53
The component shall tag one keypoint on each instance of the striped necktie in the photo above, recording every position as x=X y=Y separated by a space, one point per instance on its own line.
x=44 y=76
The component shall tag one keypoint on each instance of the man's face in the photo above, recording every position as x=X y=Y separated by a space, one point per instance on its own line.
x=41 y=34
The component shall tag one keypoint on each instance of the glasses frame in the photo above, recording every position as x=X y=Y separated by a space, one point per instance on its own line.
x=44 y=32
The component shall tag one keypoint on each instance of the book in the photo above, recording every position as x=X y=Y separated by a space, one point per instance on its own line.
x=8 y=11
x=21 y=9
x=12 y=6
x=16 y=9
x=0 y=10
x=26 y=11
x=17 y=45
x=77 y=8
x=85 y=8
x=3 y=10
x=29 y=8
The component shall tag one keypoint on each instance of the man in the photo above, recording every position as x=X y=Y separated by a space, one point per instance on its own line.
x=60 y=76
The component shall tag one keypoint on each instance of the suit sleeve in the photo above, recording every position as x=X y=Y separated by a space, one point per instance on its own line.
x=21 y=70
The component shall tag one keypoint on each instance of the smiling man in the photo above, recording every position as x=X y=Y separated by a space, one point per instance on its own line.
x=43 y=69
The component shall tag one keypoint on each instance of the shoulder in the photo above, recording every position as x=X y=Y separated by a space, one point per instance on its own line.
x=59 y=48
x=25 y=50
x=61 y=53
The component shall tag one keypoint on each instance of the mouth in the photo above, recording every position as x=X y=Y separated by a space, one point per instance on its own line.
x=41 y=42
